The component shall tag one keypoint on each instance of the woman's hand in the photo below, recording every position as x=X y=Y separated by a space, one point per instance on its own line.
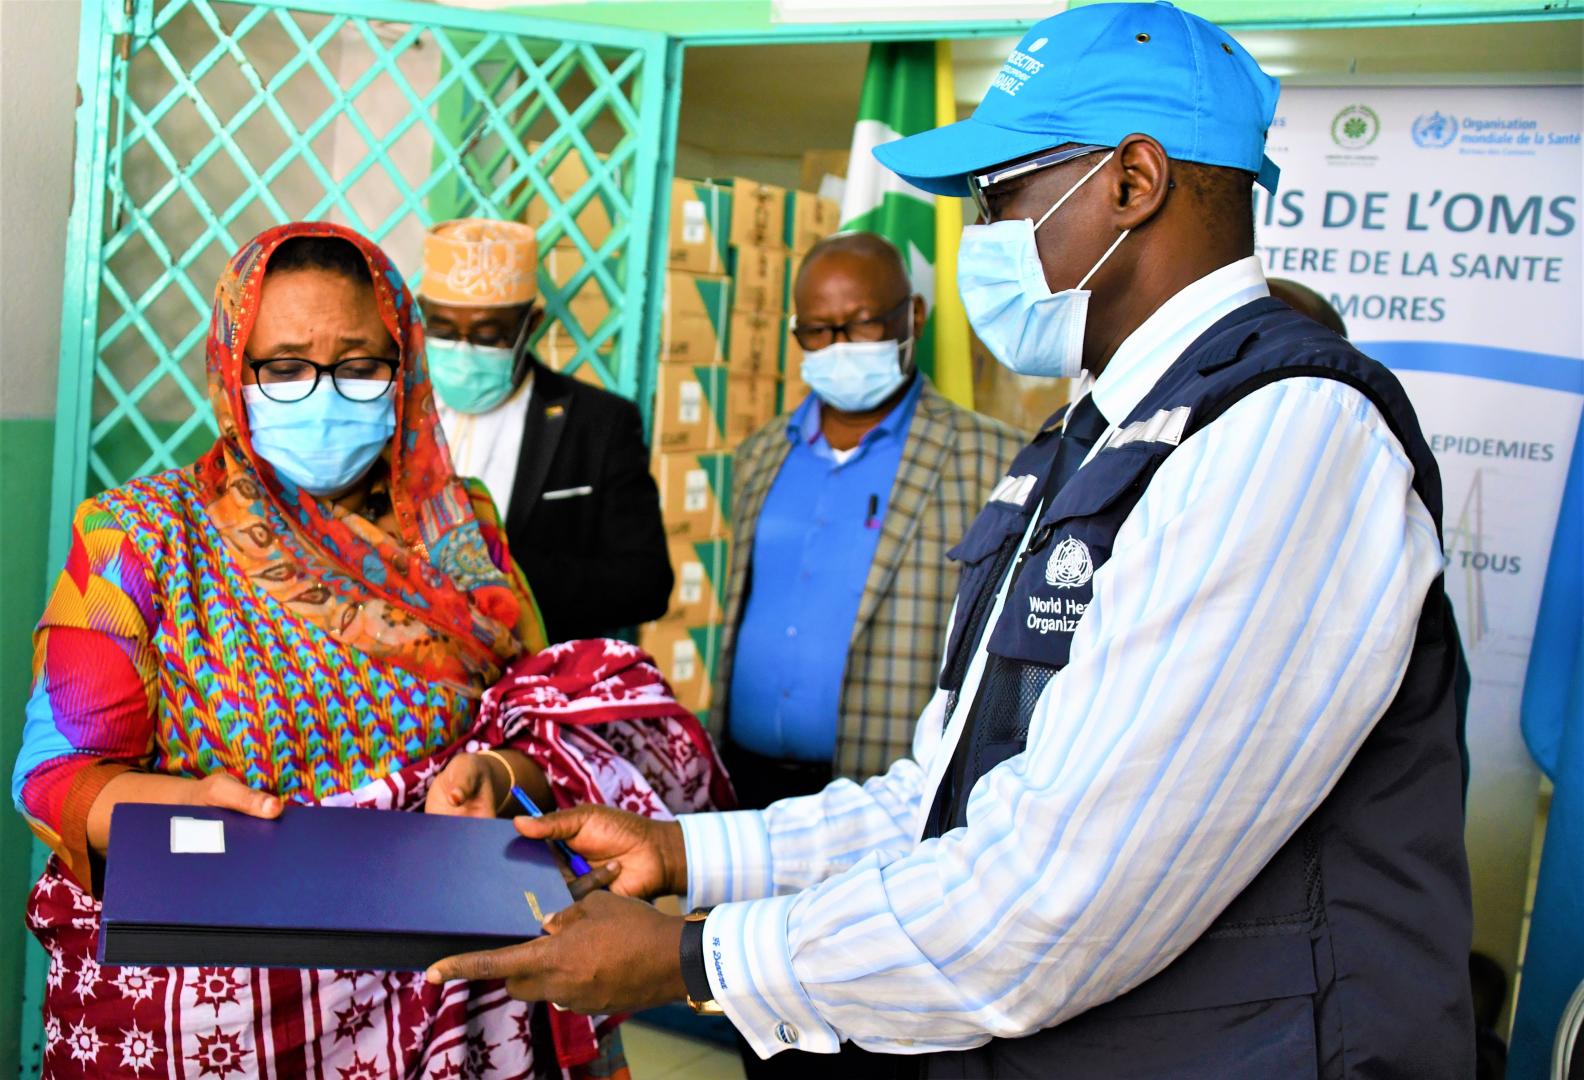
x=217 y=789
x=471 y=785
x=227 y=792
x=648 y=856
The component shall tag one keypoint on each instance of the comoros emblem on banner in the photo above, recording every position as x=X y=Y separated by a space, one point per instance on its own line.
x=1069 y=565
x=1355 y=127
x=1435 y=130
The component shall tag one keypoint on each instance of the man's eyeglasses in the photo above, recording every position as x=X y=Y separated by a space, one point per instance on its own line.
x=356 y=378
x=979 y=184
x=483 y=339
x=870 y=328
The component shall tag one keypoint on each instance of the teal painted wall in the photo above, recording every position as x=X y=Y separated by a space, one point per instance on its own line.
x=25 y=495
x=37 y=99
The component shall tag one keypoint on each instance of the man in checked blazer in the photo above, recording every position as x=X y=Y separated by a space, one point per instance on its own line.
x=842 y=514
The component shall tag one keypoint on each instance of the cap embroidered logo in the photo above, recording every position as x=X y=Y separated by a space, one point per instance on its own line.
x=1094 y=75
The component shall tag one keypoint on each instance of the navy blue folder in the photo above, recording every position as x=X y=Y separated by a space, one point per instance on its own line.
x=319 y=887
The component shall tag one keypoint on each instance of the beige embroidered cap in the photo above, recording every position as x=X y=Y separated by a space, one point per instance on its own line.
x=477 y=262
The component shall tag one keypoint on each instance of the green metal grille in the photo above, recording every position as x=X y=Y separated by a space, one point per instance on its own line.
x=204 y=122
x=222 y=119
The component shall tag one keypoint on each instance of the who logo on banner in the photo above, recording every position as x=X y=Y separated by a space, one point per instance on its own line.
x=1435 y=130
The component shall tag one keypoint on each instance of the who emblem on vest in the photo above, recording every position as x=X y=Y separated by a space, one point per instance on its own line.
x=1069 y=565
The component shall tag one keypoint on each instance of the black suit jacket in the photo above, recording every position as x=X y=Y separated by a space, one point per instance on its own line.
x=584 y=518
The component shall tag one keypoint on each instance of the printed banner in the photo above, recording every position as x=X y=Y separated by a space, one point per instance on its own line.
x=1443 y=225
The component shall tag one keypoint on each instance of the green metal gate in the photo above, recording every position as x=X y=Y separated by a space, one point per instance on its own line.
x=203 y=122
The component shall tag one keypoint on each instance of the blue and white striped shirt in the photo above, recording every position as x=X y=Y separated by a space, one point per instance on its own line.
x=1162 y=769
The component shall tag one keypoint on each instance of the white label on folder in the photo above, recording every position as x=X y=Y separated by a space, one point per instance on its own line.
x=693 y=222
x=683 y=659
x=690 y=409
x=692 y=582
x=695 y=491
x=197 y=836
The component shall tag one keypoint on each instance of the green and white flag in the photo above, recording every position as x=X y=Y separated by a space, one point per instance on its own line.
x=898 y=99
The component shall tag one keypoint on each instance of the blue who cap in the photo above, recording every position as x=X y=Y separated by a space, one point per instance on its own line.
x=1097 y=75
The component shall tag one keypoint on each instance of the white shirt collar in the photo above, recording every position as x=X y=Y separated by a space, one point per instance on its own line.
x=1147 y=352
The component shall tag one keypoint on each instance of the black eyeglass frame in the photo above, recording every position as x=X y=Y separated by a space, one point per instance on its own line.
x=979 y=184
x=321 y=370
x=883 y=320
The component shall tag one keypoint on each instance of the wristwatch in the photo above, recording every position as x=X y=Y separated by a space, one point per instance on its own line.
x=695 y=970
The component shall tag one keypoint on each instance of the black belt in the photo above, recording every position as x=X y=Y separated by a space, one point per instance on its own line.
x=761 y=780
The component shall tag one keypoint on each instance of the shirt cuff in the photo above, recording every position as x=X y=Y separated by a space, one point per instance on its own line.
x=84 y=791
x=728 y=858
x=750 y=971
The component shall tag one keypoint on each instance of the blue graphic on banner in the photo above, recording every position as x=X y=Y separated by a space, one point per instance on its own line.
x=1553 y=727
x=1552 y=713
x=1544 y=370
x=1435 y=129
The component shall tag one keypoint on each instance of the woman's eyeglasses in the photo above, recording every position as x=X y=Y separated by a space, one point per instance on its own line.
x=356 y=378
x=815 y=336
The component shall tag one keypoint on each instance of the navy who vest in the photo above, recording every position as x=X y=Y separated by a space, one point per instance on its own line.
x=1347 y=955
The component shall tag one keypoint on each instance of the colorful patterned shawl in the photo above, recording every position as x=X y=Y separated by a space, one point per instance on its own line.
x=568 y=708
x=216 y=619
x=434 y=603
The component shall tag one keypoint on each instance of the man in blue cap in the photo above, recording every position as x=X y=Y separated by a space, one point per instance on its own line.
x=1187 y=801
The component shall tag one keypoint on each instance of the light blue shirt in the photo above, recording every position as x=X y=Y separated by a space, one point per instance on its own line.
x=813 y=544
x=1066 y=887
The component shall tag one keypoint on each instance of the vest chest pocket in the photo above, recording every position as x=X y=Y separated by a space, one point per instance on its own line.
x=1053 y=582
x=985 y=551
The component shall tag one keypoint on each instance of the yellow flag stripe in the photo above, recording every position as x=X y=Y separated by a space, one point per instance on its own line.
x=953 y=362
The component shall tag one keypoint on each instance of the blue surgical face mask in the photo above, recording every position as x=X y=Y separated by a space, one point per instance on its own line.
x=324 y=442
x=470 y=378
x=1030 y=329
x=856 y=376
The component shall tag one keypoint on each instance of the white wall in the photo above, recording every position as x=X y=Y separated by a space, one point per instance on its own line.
x=38 y=69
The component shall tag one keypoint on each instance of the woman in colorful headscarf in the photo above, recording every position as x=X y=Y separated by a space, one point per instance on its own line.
x=320 y=611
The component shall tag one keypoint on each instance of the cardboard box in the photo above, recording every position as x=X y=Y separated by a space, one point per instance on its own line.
x=707 y=295
x=690 y=407
x=694 y=317
x=793 y=388
x=557 y=349
x=588 y=304
x=695 y=493
x=701 y=214
x=818 y=164
x=572 y=184
x=794 y=264
x=758 y=214
x=759 y=278
x=754 y=344
x=809 y=219
x=700 y=590
x=686 y=655
x=750 y=404
x=688 y=339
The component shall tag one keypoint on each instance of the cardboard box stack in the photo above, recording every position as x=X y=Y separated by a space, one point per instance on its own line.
x=723 y=347
x=809 y=219
x=692 y=459
x=587 y=303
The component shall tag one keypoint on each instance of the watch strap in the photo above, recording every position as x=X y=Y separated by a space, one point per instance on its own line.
x=695 y=972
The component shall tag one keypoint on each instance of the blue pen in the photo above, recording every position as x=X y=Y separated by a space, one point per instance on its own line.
x=579 y=865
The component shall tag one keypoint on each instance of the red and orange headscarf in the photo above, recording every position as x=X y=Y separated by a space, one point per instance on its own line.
x=432 y=600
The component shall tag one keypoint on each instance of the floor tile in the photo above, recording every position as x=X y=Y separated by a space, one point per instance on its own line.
x=656 y=1054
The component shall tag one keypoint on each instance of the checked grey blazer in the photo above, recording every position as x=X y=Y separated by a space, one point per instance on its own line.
x=952 y=459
